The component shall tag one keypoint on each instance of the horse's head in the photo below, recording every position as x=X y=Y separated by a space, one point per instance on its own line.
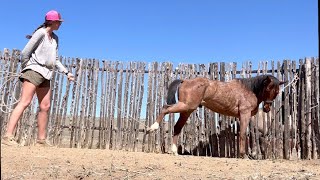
x=270 y=91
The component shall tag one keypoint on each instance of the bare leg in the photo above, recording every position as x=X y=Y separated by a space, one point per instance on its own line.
x=177 y=129
x=244 y=121
x=28 y=90
x=43 y=94
x=179 y=107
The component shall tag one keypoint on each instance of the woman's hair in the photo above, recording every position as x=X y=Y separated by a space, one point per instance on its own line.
x=45 y=24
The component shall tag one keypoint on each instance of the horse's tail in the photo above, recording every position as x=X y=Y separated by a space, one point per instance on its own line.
x=173 y=87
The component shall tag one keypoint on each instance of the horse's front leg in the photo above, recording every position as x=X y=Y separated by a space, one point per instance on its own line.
x=244 y=122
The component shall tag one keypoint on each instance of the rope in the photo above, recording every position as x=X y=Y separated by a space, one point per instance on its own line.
x=293 y=82
x=130 y=117
x=7 y=108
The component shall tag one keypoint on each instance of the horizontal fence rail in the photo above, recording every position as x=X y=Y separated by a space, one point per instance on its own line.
x=111 y=103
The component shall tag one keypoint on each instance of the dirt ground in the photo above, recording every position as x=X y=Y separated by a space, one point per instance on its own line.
x=64 y=163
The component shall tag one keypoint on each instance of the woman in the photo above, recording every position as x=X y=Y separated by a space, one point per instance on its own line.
x=39 y=56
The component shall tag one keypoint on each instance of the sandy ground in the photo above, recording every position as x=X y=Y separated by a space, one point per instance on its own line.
x=64 y=163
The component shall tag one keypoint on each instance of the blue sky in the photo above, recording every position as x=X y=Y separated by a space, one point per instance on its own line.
x=185 y=31
x=177 y=31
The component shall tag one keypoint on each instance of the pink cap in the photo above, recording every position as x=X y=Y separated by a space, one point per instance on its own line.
x=53 y=16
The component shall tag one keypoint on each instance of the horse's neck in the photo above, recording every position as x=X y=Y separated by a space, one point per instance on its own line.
x=255 y=111
x=251 y=84
x=257 y=90
x=259 y=99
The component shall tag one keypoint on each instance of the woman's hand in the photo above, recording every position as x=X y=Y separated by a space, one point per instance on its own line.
x=70 y=76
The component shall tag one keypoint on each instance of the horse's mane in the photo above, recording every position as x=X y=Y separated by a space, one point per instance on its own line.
x=256 y=84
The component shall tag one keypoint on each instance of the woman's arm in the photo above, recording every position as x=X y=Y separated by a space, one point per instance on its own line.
x=59 y=65
x=32 y=44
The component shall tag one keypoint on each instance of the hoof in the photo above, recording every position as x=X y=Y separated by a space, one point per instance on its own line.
x=173 y=153
x=174 y=150
x=149 y=130
x=244 y=156
x=153 y=127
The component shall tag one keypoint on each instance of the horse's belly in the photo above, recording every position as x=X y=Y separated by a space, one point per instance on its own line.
x=225 y=108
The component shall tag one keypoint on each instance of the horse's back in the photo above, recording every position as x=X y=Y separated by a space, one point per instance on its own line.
x=228 y=98
x=198 y=83
x=191 y=91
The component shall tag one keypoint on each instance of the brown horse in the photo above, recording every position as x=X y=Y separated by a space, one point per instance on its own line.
x=238 y=98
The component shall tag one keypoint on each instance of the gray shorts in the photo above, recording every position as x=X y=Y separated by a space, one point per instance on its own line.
x=35 y=78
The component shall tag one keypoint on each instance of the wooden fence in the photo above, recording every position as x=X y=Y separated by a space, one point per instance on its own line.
x=111 y=104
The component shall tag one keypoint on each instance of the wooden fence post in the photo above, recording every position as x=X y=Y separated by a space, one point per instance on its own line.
x=93 y=104
x=119 y=128
x=308 y=108
x=75 y=103
x=148 y=121
x=301 y=110
x=102 y=108
x=286 y=109
x=315 y=107
x=314 y=125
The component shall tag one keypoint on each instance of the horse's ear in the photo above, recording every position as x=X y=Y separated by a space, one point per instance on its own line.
x=282 y=82
x=267 y=81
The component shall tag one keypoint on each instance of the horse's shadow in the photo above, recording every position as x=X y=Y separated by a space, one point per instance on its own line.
x=223 y=146
x=203 y=148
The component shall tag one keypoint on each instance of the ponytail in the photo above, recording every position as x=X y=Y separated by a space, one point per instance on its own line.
x=45 y=24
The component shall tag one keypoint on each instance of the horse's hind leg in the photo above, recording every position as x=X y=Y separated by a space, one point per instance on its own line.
x=177 y=129
x=176 y=108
